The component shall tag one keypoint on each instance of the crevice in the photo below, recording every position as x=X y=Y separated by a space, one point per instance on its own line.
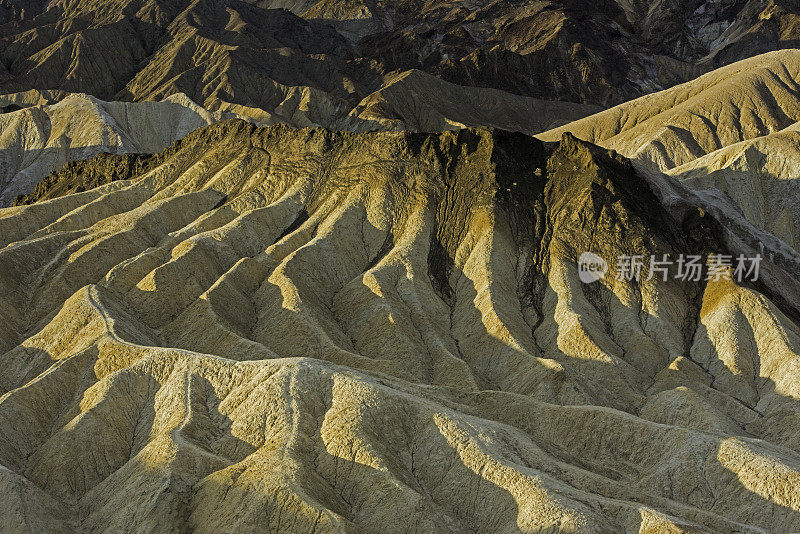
x=302 y=217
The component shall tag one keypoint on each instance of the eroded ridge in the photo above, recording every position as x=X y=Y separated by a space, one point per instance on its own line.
x=273 y=329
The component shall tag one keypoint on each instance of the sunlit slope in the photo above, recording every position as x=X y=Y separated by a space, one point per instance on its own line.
x=760 y=175
x=734 y=129
x=40 y=138
x=742 y=101
x=306 y=331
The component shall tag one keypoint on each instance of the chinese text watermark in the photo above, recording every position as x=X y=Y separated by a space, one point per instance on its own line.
x=686 y=267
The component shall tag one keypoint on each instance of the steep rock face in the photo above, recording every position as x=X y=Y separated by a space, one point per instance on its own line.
x=758 y=27
x=303 y=330
x=714 y=33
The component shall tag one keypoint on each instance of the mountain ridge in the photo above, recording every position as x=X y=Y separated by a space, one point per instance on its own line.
x=399 y=266
x=583 y=52
x=266 y=336
x=730 y=132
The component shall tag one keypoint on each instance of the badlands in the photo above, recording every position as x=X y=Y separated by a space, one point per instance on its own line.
x=292 y=330
x=315 y=266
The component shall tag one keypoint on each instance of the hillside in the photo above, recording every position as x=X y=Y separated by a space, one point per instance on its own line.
x=734 y=130
x=40 y=131
x=260 y=53
x=420 y=102
x=285 y=330
x=39 y=138
x=748 y=99
x=760 y=175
